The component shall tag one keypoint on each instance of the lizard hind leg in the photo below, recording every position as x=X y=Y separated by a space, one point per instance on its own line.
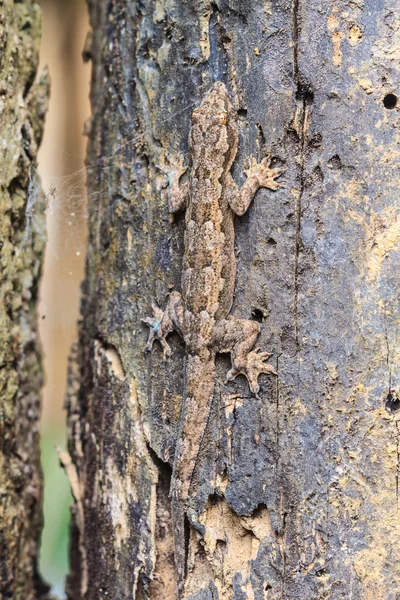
x=163 y=322
x=238 y=337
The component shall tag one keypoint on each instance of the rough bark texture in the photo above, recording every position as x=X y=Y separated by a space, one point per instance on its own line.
x=297 y=491
x=22 y=108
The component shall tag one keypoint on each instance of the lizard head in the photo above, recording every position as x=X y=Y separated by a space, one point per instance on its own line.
x=216 y=107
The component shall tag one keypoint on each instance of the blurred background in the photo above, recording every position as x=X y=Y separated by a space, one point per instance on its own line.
x=61 y=167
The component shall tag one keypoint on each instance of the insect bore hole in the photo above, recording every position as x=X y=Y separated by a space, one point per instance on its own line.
x=257 y=315
x=390 y=101
x=392 y=403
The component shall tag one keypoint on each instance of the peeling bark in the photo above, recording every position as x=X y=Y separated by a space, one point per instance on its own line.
x=295 y=493
x=23 y=105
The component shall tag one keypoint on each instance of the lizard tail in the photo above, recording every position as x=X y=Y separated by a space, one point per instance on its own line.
x=200 y=381
x=181 y=543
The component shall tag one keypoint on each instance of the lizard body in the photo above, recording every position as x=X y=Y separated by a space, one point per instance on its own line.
x=199 y=313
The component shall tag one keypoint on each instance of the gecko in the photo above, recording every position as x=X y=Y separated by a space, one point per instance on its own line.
x=199 y=313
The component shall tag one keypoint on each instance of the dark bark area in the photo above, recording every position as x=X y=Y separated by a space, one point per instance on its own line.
x=297 y=491
x=23 y=104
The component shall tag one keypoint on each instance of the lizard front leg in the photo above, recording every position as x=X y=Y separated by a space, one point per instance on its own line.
x=258 y=175
x=238 y=337
x=177 y=192
x=162 y=323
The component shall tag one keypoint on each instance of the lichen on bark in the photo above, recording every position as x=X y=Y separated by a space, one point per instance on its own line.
x=23 y=104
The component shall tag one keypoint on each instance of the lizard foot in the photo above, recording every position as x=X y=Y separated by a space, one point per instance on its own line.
x=158 y=331
x=255 y=365
x=263 y=174
x=178 y=193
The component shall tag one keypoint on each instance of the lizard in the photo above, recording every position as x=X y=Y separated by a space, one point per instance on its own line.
x=199 y=313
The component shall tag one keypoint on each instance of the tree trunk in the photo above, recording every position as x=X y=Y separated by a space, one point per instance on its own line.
x=295 y=492
x=23 y=106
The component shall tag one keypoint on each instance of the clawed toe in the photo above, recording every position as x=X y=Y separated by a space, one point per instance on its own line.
x=257 y=366
x=257 y=354
x=231 y=375
x=166 y=349
x=148 y=346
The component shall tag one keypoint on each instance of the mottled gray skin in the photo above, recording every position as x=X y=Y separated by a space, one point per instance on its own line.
x=200 y=312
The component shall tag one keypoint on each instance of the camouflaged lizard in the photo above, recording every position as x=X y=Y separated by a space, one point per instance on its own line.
x=199 y=313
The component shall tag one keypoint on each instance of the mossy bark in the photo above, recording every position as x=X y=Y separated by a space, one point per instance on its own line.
x=23 y=105
x=296 y=491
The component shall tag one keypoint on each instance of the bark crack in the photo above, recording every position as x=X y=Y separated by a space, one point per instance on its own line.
x=388 y=352
x=277 y=413
x=218 y=39
x=282 y=544
x=304 y=98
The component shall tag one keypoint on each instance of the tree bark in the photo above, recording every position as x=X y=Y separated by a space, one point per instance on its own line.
x=297 y=490
x=23 y=104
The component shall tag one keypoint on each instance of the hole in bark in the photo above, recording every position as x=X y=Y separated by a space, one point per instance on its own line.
x=26 y=25
x=317 y=175
x=334 y=163
x=267 y=587
x=213 y=499
x=242 y=113
x=271 y=244
x=392 y=403
x=390 y=101
x=14 y=185
x=316 y=141
x=305 y=94
x=320 y=573
x=257 y=315
x=293 y=136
